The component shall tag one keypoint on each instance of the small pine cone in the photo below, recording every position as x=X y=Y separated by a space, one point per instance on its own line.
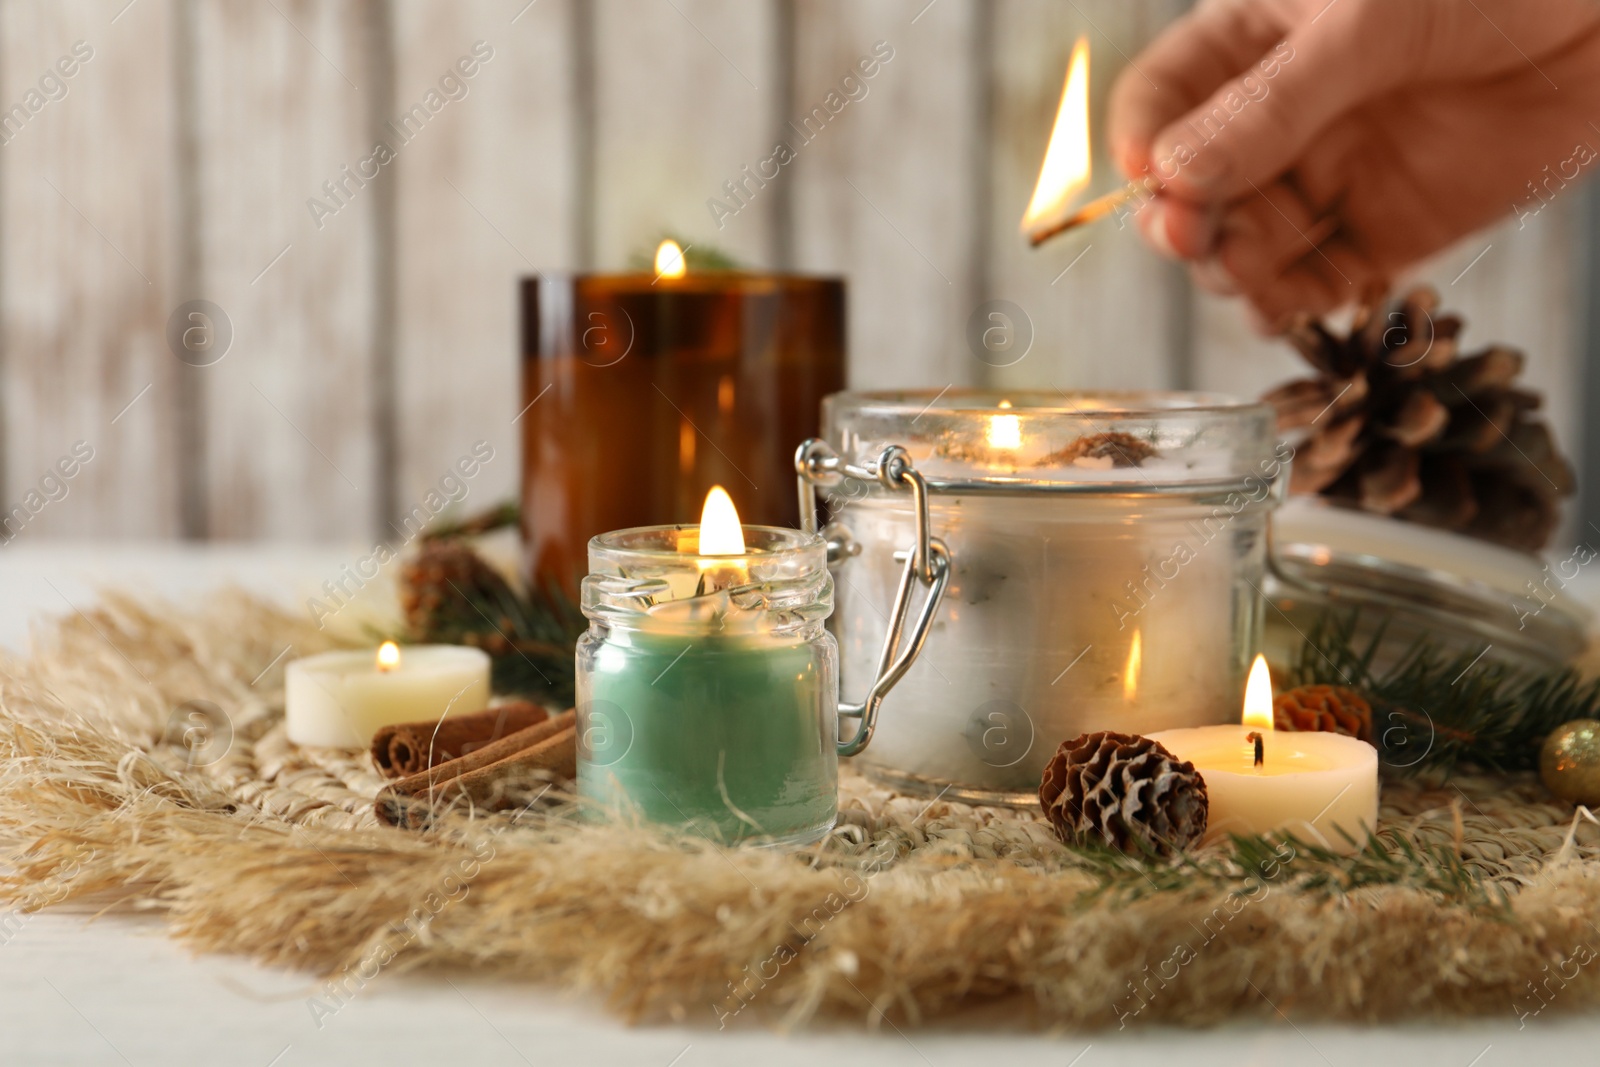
x=440 y=587
x=1125 y=790
x=1326 y=708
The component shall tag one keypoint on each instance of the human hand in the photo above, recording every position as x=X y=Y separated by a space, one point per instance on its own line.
x=1308 y=150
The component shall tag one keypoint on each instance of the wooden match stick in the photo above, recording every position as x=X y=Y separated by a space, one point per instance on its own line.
x=1096 y=209
x=1321 y=230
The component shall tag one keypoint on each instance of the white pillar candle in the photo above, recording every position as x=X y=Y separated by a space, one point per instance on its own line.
x=340 y=699
x=1321 y=787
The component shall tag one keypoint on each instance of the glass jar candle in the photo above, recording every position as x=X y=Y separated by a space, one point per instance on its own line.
x=1106 y=554
x=707 y=685
x=642 y=390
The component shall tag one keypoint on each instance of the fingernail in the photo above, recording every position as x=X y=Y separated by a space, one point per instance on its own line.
x=1154 y=228
x=1213 y=277
x=1129 y=158
x=1207 y=168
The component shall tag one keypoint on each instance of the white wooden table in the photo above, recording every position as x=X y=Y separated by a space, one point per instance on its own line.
x=115 y=990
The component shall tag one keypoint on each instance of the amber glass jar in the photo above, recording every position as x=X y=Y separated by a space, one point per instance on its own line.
x=641 y=392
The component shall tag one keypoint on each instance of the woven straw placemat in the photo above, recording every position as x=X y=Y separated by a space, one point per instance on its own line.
x=908 y=910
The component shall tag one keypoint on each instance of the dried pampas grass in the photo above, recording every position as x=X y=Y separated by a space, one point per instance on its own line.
x=909 y=911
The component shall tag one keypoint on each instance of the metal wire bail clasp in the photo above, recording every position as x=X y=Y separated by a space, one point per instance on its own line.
x=927 y=562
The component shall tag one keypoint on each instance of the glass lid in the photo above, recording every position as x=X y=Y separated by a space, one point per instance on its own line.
x=1469 y=589
x=1057 y=439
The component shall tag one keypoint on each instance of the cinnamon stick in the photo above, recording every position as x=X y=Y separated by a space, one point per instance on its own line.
x=491 y=778
x=415 y=746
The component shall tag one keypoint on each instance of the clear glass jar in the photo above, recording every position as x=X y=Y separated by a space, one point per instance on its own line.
x=1407 y=583
x=707 y=686
x=1107 y=553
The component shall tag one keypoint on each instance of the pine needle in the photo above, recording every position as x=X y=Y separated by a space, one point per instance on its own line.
x=453 y=596
x=1286 y=862
x=1434 y=707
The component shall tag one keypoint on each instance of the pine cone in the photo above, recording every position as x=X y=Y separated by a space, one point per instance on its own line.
x=1125 y=790
x=1326 y=708
x=1401 y=426
x=444 y=587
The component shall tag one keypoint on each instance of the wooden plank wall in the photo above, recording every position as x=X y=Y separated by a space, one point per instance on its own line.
x=288 y=412
x=485 y=195
x=1106 y=311
x=225 y=150
x=888 y=192
x=87 y=270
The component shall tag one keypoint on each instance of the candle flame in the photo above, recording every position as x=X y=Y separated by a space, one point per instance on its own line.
x=1005 y=431
x=669 y=260
x=1066 y=167
x=388 y=656
x=1258 y=696
x=1130 y=677
x=720 y=531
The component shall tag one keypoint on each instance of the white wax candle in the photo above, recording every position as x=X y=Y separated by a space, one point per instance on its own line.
x=1313 y=785
x=340 y=699
x=1034 y=643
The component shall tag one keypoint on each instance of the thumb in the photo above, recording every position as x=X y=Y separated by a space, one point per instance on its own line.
x=1256 y=126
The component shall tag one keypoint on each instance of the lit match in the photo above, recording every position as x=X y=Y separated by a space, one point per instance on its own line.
x=1094 y=210
x=1066 y=169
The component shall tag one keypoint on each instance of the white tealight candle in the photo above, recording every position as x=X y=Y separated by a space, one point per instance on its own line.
x=340 y=699
x=1321 y=787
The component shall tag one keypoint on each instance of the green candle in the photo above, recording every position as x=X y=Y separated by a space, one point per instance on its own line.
x=707 y=686
x=732 y=737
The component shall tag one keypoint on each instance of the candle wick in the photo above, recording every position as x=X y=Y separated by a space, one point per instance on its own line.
x=1260 y=746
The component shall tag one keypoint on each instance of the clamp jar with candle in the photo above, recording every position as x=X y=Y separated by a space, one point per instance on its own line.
x=1105 y=556
x=707 y=684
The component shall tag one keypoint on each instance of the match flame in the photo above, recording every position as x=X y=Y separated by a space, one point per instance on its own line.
x=1130 y=677
x=388 y=656
x=720 y=531
x=1004 y=431
x=1258 y=696
x=669 y=260
x=1065 y=171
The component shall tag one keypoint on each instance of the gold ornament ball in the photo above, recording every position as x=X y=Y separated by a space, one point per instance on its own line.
x=1569 y=763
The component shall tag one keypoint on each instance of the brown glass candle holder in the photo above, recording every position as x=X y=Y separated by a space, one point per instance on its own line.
x=641 y=392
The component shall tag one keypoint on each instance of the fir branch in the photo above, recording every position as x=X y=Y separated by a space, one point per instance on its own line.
x=452 y=596
x=697 y=256
x=1434 y=707
x=1286 y=862
x=501 y=515
x=531 y=640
